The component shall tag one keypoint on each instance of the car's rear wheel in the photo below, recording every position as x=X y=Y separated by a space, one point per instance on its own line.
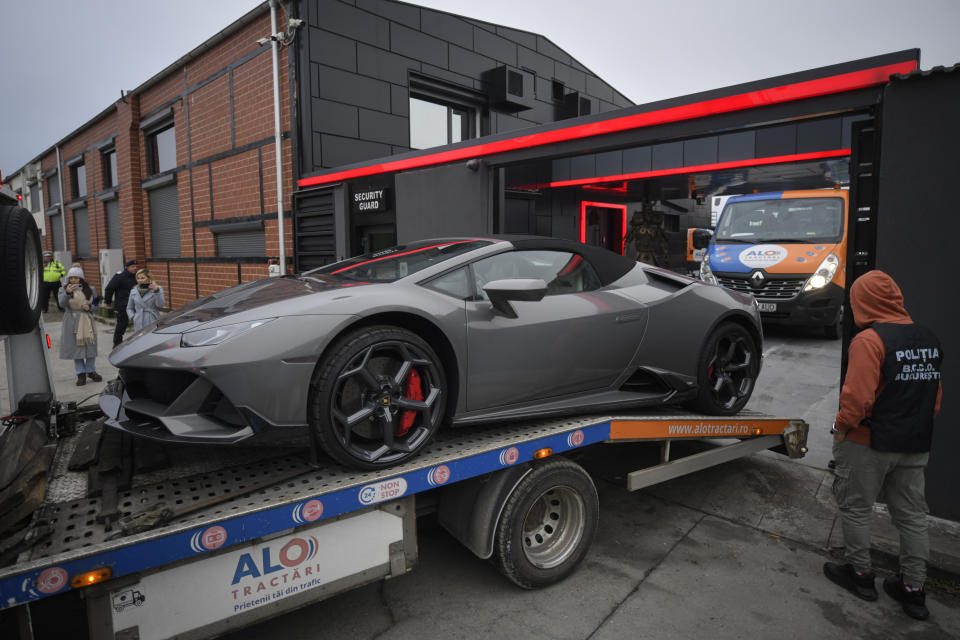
x=377 y=397
x=20 y=271
x=727 y=371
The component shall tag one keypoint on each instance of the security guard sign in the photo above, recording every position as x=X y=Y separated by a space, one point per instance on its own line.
x=369 y=200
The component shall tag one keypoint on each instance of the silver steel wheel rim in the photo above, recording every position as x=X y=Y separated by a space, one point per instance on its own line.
x=553 y=527
x=31 y=266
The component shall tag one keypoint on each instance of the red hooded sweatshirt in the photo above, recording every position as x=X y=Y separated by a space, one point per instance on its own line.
x=874 y=297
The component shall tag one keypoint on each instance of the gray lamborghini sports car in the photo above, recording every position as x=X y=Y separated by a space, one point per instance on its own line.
x=376 y=352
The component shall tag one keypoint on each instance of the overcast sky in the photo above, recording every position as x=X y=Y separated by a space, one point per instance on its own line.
x=65 y=61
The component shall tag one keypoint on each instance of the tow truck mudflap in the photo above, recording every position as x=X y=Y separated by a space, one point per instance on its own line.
x=230 y=589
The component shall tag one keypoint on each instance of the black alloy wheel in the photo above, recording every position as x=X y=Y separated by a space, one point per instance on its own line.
x=727 y=371
x=378 y=397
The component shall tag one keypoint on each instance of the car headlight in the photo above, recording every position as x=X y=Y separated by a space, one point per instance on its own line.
x=824 y=273
x=705 y=273
x=216 y=335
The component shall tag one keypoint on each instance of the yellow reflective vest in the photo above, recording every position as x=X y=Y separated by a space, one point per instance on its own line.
x=53 y=271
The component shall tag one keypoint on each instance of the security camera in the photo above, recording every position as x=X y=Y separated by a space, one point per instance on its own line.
x=264 y=40
x=293 y=23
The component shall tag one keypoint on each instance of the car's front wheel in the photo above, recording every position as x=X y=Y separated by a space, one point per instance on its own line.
x=377 y=397
x=727 y=371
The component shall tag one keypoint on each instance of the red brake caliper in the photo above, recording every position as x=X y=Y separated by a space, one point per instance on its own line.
x=412 y=391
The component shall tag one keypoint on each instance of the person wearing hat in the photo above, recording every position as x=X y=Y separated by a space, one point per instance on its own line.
x=78 y=340
x=118 y=293
x=53 y=273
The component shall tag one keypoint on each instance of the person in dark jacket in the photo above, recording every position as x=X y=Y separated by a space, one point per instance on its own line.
x=882 y=437
x=118 y=292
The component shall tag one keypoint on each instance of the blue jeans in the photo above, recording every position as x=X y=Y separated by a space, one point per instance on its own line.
x=85 y=366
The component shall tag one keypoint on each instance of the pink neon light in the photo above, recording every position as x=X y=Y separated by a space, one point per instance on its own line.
x=602 y=205
x=775 y=95
x=754 y=162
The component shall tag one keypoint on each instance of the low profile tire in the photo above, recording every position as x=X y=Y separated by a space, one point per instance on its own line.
x=727 y=371
x=20 y=271
x=377 y=398
x=547 y=524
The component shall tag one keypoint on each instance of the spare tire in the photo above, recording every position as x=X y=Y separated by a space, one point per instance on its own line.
x=21 y=273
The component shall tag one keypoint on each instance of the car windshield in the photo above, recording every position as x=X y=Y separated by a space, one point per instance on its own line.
x=797 y=220
x=394 y=263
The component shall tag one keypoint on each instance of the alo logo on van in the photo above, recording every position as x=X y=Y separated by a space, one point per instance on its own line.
x=762 y=255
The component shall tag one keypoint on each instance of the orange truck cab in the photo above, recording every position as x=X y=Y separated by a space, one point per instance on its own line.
x=788 y=249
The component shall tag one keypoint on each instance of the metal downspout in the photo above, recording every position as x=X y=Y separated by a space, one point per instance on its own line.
x=63 y=217
x=275 y=46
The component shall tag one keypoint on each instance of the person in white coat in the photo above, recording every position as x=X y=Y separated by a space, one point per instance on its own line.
x=146 y=300
x=78 y=339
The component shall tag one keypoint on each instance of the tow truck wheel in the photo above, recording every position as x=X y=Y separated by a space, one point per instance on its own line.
x=547 y=524
x=20 y=271
x=727 y=371
x=377 y=397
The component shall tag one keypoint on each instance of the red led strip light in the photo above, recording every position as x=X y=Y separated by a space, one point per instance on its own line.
x=602 y=205
x=717 y=166
x=775 y=95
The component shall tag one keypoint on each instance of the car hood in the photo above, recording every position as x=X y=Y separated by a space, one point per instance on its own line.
x=786 y=258
x=251 y=295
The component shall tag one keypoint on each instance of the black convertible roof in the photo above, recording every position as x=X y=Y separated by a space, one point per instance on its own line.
x=610 y=266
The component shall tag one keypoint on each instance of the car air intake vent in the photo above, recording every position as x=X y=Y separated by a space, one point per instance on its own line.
x=643 y=381
x=665 y=282
x=156 y=385
x=777 y=288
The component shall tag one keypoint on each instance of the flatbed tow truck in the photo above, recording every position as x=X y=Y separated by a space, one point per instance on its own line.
x=152 y=540
x=215 y=542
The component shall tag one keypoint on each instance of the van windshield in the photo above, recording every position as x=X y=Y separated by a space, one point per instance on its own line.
x=795 y=220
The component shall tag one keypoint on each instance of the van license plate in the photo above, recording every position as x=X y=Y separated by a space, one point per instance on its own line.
x=767 y=306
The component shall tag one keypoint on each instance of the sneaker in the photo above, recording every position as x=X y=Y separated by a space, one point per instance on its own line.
x=96 y=377
x=845 y=576
x=81 y=379
x=913 y=602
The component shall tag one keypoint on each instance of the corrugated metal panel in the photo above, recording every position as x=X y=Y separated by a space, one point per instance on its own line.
x=241 y=244
x=313 y=231
x=164 y=222
x=81 y=230
x=114 y=237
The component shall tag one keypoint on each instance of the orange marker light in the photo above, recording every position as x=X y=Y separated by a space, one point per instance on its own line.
x=757 y=431
x=49 y=343
x=91 y=577
x=540 y=454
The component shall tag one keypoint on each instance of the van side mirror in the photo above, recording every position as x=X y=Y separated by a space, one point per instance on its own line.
x=501 y=292
x=701 y=238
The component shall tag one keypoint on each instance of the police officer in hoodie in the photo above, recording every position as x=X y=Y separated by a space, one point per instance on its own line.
x=882 y=437
x=118 y=291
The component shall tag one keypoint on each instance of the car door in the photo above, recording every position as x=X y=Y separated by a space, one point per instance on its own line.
x=579 y=337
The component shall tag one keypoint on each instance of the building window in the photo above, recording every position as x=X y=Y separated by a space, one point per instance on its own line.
x=161 y=150
x=109 y=162
x=56 y=230
x=35 y=197
x=164 y=222
x=114 y=238
x=240 y=239
x=81 y=232
x=53 y=189
x=78 y=180
x=435 y=123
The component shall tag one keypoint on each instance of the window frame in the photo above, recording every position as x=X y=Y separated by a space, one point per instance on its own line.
x=110 y=173
x=78 y=175
x=455 y=99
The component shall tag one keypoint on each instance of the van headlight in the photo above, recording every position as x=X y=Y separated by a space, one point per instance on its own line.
x=705 y=273
x=824 y=274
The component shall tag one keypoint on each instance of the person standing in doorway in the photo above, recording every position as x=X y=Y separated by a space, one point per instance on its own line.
x=53 y=273
x=78 y=339
x=882 y=438
x=118 y=293
x=146 y=300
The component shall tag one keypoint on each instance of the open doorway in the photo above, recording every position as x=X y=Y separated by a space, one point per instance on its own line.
x=603 y=225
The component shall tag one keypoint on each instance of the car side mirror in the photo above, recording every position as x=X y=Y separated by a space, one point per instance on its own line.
x=701 y=238
x=501 y=292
